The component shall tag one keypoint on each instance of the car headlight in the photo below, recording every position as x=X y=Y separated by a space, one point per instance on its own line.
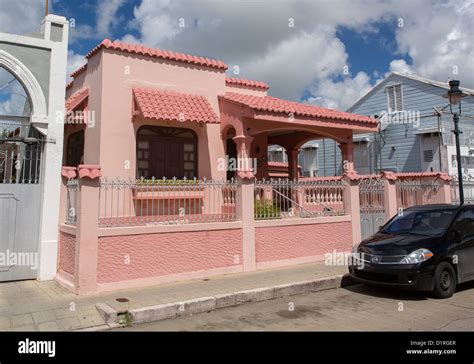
x=417 y=256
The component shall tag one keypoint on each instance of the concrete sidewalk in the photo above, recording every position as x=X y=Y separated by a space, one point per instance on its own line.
x=43 y=306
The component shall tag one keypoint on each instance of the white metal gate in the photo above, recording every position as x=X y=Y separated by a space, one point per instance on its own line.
x=20 y=199
x=372 y=209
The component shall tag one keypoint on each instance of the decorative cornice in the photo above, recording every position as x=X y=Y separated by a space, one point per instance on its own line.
x=444 y=176
x=90 y=171
x=388 y=175
x=69 y=172
x=245 y=174
x=351 y=175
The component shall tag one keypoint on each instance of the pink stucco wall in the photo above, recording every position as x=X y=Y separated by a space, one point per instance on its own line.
x=154 y=255
x=121 y=73
x=289 y=242
x=67 y=248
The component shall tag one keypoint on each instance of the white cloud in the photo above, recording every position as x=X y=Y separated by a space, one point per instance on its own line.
x=256 y=37
x=439 y=40
x=308 y=57
x=296 y=63
x=21 y=16
x=12 y=94
x=74 y=61
x=400 y=66
x=341 y=95
x=107 y=17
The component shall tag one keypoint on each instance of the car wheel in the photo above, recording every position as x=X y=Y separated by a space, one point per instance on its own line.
x=444 y=280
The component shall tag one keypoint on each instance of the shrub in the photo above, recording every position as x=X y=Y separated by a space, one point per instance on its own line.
x=266 y=209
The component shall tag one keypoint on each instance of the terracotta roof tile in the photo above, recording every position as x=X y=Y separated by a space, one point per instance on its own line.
x=272 y=104
x=158 y=53
x=418 y=174
x=76 y=98
x=247 y=83
x=78 y=71
x=171 y=105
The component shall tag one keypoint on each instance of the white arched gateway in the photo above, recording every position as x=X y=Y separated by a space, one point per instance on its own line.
x=32 y=88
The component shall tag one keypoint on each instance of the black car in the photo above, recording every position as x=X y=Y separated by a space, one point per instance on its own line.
x=427 y=248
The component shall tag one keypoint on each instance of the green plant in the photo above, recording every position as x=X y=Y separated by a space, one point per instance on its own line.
x=266 y=209
x=125 y=319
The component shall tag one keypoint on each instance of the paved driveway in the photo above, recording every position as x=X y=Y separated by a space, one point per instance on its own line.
x=356 y=307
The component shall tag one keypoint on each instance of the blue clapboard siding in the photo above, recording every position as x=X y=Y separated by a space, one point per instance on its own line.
x=398 y=147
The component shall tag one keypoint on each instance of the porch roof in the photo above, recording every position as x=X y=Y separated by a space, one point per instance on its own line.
x=280 y=106
x=77 y=98
x=171 y=105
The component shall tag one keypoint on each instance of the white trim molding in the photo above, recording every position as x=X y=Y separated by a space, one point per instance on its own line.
x=28 y=80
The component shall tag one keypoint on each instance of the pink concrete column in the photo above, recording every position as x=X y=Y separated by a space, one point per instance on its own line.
x=66 y=174
x=352 y=205
x=245 y=210
x=389 y=194
x=243 y=144
x=347 y=151
x=293 y=164
x=87 y=229
x=445 y=191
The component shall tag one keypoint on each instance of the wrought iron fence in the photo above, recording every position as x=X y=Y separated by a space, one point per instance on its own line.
x=417 y=192
x=468 y=188
x=72 y=186
x=19 y=162
x=371 y=195
x=166 y=202
x=277 y=199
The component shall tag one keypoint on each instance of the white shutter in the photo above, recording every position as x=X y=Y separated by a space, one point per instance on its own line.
x=390 y=98
x=398 y=97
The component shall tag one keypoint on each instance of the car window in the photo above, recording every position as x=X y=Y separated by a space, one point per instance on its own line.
x=464 y=223
x=420 y=222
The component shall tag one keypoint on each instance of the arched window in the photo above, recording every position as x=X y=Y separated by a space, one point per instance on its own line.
x=75 y=149
x=19 y=161
x=14 y=100
x=166 y=152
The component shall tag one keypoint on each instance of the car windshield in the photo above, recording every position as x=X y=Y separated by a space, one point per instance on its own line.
x=420 y=223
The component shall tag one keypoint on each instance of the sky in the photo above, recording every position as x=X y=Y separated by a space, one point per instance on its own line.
x=326 y=52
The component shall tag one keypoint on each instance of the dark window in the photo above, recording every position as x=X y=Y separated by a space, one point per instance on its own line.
x=166 y=152
x=75 y=149
x=464 y=223
x=420 y=222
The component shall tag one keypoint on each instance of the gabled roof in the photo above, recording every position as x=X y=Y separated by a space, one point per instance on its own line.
x=172 y=106
x=247 y=83
x=272 y=104
x=414 y=77
x=444 y=85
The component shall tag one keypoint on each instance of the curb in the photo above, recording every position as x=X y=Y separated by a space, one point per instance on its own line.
x=206 y=304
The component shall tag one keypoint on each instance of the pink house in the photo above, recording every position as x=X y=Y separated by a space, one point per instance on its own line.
x=138 y=115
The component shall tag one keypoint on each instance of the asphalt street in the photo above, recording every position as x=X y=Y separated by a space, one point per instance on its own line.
x=354 y=308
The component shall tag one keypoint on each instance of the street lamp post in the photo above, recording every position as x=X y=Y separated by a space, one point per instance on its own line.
x=454 y=96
